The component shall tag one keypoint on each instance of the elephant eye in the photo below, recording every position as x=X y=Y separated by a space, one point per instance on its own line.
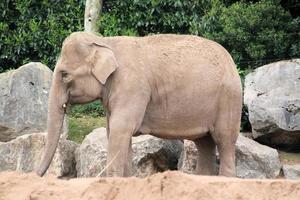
x=64 y=74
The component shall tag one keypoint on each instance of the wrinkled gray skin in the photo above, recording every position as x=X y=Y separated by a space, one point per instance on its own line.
x=169 y=86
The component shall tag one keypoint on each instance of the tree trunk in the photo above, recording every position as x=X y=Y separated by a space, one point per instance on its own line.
x=92 y=13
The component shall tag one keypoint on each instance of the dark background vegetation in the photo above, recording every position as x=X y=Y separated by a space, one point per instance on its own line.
x=254 y=32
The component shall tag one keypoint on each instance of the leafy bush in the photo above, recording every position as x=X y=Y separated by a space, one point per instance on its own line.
x=110 y=26
x=155 y=16
x=94 y=109
x=254 y=33
x=34 y=29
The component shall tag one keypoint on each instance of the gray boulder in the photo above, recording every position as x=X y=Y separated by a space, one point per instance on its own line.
x=272 y=95
x=188 y=158
x=150 y=154
x=253 y=160
x=25 y=152
x=291 y=171
x=24 y=101
x=91 y=154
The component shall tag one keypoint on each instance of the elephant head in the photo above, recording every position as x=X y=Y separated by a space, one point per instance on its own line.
x=79 y=77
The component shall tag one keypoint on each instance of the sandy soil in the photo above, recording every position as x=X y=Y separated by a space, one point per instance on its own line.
x=164 y=186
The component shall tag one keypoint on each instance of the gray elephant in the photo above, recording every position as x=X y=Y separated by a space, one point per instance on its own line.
x=169 y=86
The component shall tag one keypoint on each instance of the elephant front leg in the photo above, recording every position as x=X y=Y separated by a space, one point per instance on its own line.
x=125 y=119
x=119 y=151
x=122 y=125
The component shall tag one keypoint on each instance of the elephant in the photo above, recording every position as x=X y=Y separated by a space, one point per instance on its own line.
x=166 y=85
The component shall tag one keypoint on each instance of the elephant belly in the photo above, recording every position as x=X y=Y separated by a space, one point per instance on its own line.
x=172 y=131
x=177 y=127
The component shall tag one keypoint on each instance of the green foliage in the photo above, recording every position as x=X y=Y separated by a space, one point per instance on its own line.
x=34 y=29
x=145 y=17
x=94 y=109
x=110 y=26
x=254 y=33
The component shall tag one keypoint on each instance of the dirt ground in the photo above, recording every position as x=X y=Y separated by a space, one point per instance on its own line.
x=164 y=186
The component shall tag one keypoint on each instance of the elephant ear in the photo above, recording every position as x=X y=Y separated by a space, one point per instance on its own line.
x=104 y=63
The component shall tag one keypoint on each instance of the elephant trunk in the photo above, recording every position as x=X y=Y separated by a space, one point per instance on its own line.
x=55 y=120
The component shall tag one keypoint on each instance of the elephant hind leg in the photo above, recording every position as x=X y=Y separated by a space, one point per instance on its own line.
x=226 y=131
x=226 y=150
x=206 y=160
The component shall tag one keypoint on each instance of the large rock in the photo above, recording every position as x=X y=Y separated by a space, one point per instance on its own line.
x=25 y=152
x=24 y=100
x=291 y=171
x=150 y=154
x=272 y=94
x=188 y=158
x=91 y=154
x=253 y=160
